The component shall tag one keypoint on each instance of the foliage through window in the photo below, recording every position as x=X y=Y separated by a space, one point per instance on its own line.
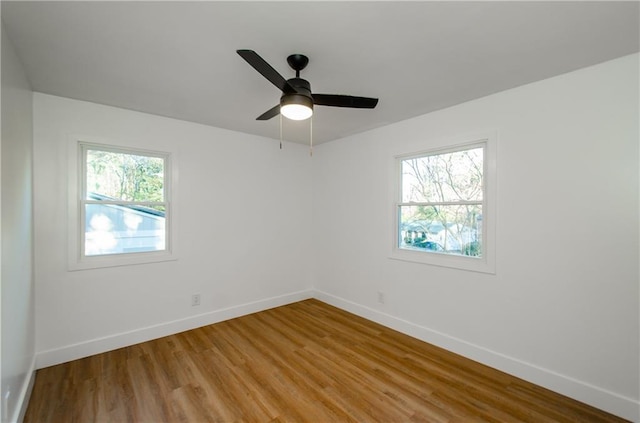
x=440 y=209
x=124 y=202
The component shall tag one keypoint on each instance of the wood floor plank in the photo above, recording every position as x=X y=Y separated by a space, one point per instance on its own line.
x=304 y=362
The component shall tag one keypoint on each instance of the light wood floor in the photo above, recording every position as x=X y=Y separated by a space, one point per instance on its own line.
x=305 y=362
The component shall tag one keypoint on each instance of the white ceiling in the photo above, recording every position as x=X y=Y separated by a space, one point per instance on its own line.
x=178 y=59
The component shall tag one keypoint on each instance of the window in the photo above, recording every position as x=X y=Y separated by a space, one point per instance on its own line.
x=123 y=207
x=441 y=207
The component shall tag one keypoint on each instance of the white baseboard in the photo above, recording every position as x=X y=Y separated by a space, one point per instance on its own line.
x=109 y=343
x=25 y=394
x=611 y=402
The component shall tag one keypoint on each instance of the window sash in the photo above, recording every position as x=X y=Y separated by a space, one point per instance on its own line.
x=127 y=203
x=442 y=203
x=400 y=195
x=422 y=168
x=84 y=201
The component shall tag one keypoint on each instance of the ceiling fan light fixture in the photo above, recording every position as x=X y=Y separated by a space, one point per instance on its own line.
x=297 y=101
x=296 y=106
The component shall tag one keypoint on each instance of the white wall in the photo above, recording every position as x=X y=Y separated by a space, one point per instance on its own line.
x=562 y=308
x=243 y=232
x=18 y=328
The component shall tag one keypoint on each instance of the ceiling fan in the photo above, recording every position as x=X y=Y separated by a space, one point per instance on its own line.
x=297 y=100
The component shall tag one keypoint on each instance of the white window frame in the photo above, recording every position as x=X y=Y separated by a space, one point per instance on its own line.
x=485 y=263
x=77 y=260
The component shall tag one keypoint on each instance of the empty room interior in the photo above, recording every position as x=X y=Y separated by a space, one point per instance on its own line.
x=320 y=211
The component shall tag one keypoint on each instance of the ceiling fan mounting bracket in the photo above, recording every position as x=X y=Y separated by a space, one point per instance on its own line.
x=298 y=62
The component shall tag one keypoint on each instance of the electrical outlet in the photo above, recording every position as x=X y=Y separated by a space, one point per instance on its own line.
x=195 y=300
x=381 y=297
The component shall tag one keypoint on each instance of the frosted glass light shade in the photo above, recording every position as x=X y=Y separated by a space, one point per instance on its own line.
x=296 y=107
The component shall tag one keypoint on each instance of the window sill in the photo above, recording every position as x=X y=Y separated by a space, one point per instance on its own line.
x=472 y=264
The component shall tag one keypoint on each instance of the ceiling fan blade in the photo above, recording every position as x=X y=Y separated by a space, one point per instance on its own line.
x=266 y=70
x=337 y=100
x=272 y=112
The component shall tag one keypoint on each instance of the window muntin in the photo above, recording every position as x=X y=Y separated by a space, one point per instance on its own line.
x=124 y=201
x=441 y=202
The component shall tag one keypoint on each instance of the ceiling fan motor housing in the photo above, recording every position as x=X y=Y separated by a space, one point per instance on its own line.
x=302 y=94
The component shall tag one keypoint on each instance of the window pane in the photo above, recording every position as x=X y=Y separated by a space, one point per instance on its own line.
x=443 y=177
x=445 y=229
x=118 y=229
x=128 y=177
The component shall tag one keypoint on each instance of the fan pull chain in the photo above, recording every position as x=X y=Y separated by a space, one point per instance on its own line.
x=280 y=131
x=311 y=136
